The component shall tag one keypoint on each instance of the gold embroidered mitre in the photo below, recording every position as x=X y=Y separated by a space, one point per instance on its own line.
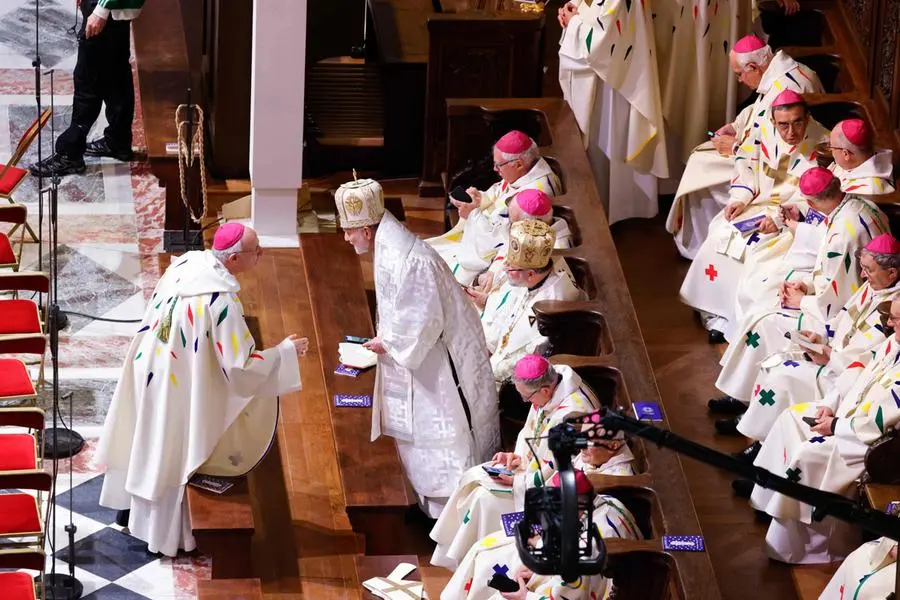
x=530 y=244
x=359 y=203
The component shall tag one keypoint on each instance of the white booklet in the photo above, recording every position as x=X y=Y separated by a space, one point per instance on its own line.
x=804 y=342
x=354 y=355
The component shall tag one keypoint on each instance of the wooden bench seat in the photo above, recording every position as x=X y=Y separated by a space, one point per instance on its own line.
x=223 y=525
x=229 y=589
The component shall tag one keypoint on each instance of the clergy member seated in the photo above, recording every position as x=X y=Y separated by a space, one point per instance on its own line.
x=704 y=187
x=840 y=225
x=863 y=171
x=556 y=393
x=434 y=392
x=799 y=374
x=527 y=204
x=746 y=236
x=497 y=553
x=471 y=245
x=828 y=454
x=532 y=275
x=610 y=456
x=191 y=372
x=869 y=573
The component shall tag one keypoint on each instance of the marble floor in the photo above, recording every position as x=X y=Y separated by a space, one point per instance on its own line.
x=109 y=234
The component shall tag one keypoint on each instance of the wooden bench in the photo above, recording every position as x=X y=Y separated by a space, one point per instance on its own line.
x=223 y=525
x=229 y=589
x=376 y=493
x=615 y=361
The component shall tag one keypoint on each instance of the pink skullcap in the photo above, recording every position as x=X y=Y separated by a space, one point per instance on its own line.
x=815 y=180
x=884 y=244
x=788 y=97
x=531 y=366
x=534 y=202
x=857 y=132
x=228 y=235
x=748 y=43
x=514 y=142
x=582 y=483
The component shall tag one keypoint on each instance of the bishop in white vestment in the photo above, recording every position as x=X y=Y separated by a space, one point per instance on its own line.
x=556 y=393
x=791 y=295
x=483 y=226
x=704 y=189
x=828 y=456
x=434 y=391
x=745 y=235
x=497 y=553
x=532 y=275
x=608 y=75
x=862 y=169
x=869 y=573
x=191 y=376
x=796 y=374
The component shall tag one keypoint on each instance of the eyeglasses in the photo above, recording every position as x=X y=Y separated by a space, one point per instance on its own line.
x=833 y=148
x=532 y=394
x=257 y=252
x=503 y=164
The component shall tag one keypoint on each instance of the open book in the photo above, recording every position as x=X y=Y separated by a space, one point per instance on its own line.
x=354 y=355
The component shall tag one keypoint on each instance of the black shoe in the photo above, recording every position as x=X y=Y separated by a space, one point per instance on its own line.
x=727 y=426
x=727 y=405
x=749 y=453
x=742 y=487
x=58 y=164
x=716 y=337
x=101 y=148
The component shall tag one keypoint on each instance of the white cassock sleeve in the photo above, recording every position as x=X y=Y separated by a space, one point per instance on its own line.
x=418 y=318
x=745 y=183
x=839 y=269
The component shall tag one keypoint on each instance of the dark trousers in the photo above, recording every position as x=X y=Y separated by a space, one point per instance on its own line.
x=102 y=76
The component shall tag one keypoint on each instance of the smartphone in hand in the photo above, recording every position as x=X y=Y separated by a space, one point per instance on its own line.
x=496 y=471
x=502 y=583
x=811 y=421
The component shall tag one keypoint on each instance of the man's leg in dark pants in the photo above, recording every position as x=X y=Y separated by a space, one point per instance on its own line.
x=88 y=97
x=118 y=87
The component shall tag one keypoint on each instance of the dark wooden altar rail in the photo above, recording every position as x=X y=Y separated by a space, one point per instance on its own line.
x=376 y=494
x=164 y=75
x=694 y=570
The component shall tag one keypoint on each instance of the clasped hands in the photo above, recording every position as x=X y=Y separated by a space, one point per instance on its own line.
x=466 y=208
x=792 y=294
x=508 y=460
x=565 y=13
x=824 y=421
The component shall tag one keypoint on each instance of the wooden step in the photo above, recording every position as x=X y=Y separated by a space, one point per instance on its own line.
x=229 y=589
x=810 y=580
x=223 y=525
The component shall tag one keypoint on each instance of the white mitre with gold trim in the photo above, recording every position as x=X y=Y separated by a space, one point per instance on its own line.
x=530 y=244
x=359 y=203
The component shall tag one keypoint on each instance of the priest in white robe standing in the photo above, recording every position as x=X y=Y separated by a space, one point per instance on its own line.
x=434 y=391
x=797 y=298
x=828 y=455
x=555 y=392
x=608 y=75
x=705 y=185
x=768 y=167
x=862 y=170
x=532 y=275
x=472 y=243
x=869 y=573
x=190 y=373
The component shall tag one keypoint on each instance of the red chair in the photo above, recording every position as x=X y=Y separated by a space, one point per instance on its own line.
x=17 y=585
x=15 y=382
x=17 y=214
x=21 y=456
x=11 y=175
x=23 y=317
x=27 y=344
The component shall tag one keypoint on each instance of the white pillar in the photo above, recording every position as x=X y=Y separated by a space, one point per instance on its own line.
x=276 y=118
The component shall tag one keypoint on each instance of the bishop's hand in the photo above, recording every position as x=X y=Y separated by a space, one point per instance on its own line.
x=301 y=345
x=733 y=210
x=375 y=345
x=791 y=7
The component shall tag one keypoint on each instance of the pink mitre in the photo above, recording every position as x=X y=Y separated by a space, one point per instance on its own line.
x=531 y=366
x=534 y=202
x=748 y=43
x=583 y=485
x=857 y=132
x=884 y=244
x=815 y=180
x=228 y=235
x=514 y=142
x=788 y=97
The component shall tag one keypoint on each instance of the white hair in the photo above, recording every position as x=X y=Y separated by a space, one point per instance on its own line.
x=761 y=57
x=223 y=255
x=860 y=151
x=528 y=158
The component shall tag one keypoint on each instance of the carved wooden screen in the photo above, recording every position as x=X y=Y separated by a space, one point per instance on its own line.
x=877 y=25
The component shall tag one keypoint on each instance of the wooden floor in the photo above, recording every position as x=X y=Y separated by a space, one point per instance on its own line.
x=313 y=557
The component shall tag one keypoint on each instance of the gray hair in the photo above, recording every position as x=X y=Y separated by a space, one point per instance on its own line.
x=528 y=158
x=884 y=260
x=863 y=152
x=832 y=190
x=222 y=255
x=532 y=385
x=760 y=58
